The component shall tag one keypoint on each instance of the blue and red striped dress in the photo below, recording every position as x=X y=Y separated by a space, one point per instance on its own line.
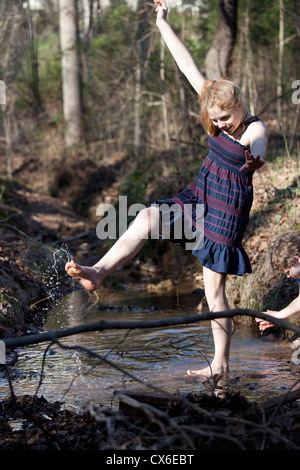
x=224 y=197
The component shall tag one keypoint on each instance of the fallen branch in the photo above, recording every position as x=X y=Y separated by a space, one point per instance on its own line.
x=53 y=335
x=281 y=400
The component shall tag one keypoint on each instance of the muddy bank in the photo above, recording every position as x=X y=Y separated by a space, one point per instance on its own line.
x=32 y=228
x=151 y=421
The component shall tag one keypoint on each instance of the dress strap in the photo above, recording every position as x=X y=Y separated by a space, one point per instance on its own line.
x=249 y=121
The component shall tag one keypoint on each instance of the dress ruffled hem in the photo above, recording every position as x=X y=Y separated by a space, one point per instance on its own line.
x=223 y=258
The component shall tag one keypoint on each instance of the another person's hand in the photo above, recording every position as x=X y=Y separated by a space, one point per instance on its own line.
x=264 y=324
x=252 y=163
x=161 y=9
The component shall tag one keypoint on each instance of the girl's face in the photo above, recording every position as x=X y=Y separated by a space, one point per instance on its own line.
x=294 y=270
x=226 y=120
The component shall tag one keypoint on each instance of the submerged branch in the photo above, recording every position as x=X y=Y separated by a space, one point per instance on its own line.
x=53 y=335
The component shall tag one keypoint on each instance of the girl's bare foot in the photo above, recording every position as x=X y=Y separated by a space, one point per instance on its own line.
x=208 y=371
x=87 y=276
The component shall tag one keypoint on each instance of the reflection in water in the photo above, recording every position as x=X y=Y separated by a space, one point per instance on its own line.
x=260 y=367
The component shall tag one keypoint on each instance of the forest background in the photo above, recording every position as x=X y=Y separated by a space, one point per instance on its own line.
x=95 y=108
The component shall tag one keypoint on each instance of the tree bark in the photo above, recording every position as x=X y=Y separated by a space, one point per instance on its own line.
x=218 y=61
x=249 y=77
x=8 y=142
x=280 y=62
x=70 y=72
x=164 y=94
x=142 y=44
x=137 y=105
x=34 y=83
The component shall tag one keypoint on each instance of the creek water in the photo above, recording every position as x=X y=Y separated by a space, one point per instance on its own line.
x=260 y=367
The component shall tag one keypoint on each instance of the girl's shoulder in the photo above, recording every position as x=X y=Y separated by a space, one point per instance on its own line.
x=256 y=125
x=254 y=128
x=254 y=122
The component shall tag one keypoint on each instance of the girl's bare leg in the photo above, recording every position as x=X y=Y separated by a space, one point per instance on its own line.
x=125 y=248
x=214 y=284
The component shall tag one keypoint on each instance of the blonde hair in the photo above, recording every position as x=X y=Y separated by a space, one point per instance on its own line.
x=284 y=249
x=224 y=93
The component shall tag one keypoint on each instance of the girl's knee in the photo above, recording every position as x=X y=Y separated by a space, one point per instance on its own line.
x=214 y=284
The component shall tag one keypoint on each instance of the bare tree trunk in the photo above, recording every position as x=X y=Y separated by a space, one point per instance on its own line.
x=87 y=16
x=280 y=61
x=34 y=84
x=218 y=61
x=86 y=35
x=8 y=142
x=70 y=72
x=142 y=40
x=164 y=94
x=250 y=82
x=137 y=104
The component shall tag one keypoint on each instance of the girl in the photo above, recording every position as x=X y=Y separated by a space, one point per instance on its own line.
x=285 y=257
x=237 y=147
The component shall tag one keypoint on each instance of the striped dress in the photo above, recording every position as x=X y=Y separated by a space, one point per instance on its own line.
x=219 y=203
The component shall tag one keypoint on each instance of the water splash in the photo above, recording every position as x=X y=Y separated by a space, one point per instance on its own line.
x=59 y=253
x=55 y=273
x=56 y=290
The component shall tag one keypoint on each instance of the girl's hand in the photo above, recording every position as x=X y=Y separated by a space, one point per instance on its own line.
x=161 y=9
x=252 y=163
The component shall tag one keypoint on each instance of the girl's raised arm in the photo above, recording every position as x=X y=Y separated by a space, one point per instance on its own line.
x=181 y=55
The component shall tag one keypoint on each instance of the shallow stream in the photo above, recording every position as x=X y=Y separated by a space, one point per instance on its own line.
x=260 y=367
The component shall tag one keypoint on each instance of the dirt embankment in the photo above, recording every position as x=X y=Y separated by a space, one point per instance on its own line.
x=33 y=227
